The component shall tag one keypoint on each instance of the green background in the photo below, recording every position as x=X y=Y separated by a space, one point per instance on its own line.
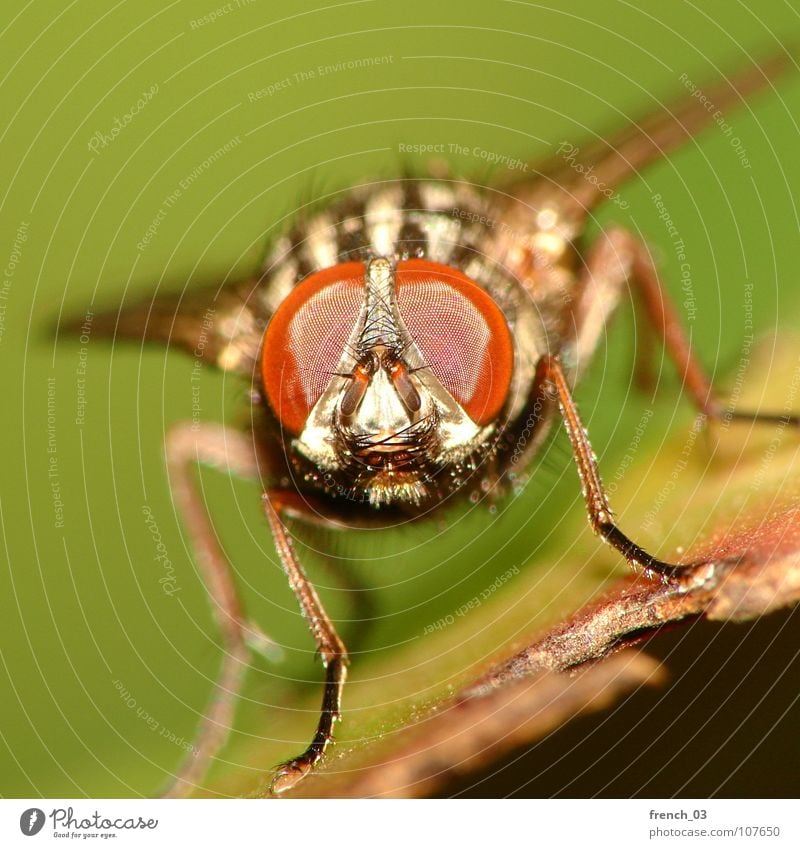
x=82 y=604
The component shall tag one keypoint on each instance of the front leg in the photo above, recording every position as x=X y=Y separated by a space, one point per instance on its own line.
x=235 y=452
x=227 y=450
x=620 y=258
x=331 y=648
x=550 y=374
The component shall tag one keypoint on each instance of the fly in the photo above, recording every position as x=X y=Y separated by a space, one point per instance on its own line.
x=433 y=355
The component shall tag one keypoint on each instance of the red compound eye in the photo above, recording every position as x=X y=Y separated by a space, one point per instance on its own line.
x=461 y=333
x=305 y=340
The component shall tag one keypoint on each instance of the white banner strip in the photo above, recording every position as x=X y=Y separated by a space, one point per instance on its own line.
x=350 y=824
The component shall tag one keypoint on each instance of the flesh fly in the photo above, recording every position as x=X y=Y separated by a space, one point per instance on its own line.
x=408 y=343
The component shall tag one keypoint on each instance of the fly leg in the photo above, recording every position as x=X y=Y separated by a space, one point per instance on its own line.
x=227 y=450
x=601 y=518
x=331 y=648
x=624 y=256
x=617 y=259
x=232 y=451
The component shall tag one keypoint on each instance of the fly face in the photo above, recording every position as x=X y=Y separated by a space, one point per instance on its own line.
x=386 y=373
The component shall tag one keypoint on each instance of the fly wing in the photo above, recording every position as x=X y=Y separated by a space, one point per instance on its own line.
x=613 y=160
x=219 y=324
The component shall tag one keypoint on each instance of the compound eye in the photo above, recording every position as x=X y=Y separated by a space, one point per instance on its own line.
x=305 y=340
x=461 y=332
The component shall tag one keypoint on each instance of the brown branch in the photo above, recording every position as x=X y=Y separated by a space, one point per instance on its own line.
x=744 y=575
x=741 y=576
x=461 y=736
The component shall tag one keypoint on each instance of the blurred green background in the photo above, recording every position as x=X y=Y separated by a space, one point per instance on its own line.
x=83 y=609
